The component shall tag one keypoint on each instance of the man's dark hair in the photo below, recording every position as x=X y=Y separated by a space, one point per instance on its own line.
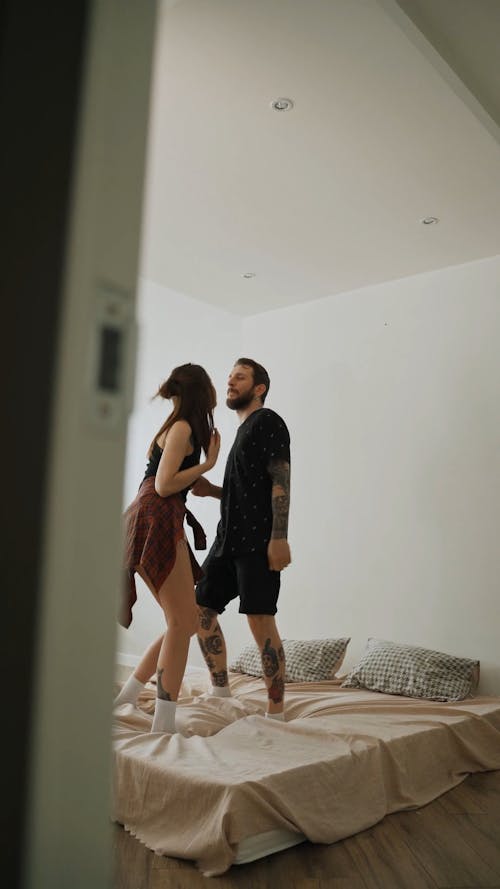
x=260 y=374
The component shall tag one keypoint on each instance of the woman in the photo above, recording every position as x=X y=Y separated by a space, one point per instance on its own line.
x=156 y=544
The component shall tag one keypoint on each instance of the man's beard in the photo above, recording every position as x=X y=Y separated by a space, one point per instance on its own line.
x=240 y=402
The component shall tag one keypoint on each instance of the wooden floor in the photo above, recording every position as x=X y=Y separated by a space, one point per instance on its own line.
x=452 y=843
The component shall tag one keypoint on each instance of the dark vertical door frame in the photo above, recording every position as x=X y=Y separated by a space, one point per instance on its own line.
x=41 y=62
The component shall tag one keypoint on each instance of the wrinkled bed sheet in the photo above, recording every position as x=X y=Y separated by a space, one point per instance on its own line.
x=343 y=760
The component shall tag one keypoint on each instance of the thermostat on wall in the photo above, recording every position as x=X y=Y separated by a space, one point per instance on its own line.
x=112 y=359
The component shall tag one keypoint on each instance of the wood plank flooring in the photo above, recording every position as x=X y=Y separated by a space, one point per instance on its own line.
x=452 y=843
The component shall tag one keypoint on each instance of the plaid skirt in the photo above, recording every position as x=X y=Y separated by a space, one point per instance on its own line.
x=153 y=527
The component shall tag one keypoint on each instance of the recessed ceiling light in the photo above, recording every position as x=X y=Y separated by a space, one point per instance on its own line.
x=429 y=220
x=248 y=275
x=282 y=104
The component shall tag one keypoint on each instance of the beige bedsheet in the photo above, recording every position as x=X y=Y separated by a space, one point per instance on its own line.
x=343 y=760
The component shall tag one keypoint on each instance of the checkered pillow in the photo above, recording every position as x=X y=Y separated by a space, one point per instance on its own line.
x=399 y=669
x=307 y=660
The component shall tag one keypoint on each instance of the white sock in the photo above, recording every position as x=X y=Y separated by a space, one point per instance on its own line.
x=279 y=716
x=164 y=718
x=130 y=691
x=221 y=691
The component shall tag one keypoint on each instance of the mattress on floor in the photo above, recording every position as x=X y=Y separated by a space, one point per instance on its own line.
x=232 y=786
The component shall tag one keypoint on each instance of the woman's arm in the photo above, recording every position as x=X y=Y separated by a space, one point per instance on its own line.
x=168 y=478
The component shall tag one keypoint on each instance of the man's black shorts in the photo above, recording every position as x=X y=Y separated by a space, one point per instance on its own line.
x=247 y=576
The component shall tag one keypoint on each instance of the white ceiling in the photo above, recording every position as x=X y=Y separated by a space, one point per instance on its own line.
x=329 y=196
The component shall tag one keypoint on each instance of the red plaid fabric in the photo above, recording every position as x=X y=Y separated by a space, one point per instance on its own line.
x=153 y=527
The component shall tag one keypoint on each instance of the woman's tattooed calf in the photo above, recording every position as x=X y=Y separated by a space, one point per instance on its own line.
x=160 y=691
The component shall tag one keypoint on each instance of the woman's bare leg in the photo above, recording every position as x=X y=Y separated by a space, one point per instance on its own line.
x=168 y=654
x=177 y=599
x=146 y=668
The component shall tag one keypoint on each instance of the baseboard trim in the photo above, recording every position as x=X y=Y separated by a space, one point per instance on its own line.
x=127 y=660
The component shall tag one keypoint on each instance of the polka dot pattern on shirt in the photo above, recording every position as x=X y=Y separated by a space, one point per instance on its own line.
x=247 y=485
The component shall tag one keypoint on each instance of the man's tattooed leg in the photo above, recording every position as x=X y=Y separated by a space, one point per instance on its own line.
x=270 y=663
x=273 y=668
x=206 y=617
x=213 y=643
x=213 y=646
x=276 y=690
x=219 y=679
x=204 y=650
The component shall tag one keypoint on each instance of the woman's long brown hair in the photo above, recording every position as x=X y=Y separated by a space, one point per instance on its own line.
x=193 y=386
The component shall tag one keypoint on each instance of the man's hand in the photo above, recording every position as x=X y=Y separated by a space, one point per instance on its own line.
x=278 y=554
x=201 y=487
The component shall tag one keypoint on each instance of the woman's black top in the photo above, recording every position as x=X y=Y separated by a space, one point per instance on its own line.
x=154 y=461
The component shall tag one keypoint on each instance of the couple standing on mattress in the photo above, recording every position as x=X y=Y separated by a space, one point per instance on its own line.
x=250 y=548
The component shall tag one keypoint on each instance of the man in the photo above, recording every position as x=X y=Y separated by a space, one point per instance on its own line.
x=251 y=546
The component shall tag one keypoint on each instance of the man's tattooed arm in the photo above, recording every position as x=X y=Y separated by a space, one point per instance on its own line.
x=279 y=470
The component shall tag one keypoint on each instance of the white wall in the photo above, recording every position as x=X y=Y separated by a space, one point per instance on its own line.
x=392 y=396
